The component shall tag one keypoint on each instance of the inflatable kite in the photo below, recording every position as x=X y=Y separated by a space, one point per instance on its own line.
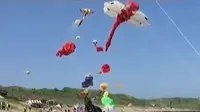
x=88 y=82
x=105 y=68
x=85 y=12
x=107 y=102
x=78 y=37
x=123 y=13
x=67 y=49
x=95 y=42
x=104 y=87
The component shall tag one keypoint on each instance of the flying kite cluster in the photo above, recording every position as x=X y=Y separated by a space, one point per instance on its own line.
x=123 y=13
x=129 y=13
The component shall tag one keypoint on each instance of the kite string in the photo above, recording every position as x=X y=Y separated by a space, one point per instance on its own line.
x=179 y=30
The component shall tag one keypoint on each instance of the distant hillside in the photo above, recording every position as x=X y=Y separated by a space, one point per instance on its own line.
x=71 y=95
x=66 y=95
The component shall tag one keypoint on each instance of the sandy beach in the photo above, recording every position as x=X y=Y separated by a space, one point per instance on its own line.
x=19 y=108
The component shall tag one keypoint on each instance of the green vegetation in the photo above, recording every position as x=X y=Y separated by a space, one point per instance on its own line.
x=71 y=95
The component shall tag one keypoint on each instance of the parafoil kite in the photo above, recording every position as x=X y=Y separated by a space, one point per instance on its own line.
x=67 y=49
x=123 y=13
x=105 y=68
x=98 y=48
x=88 y=82
x=85 y=12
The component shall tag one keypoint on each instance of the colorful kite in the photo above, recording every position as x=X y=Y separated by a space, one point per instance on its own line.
x=78 y=37
x=85 y=12
x=88 y=82
x=67 y=49
x=107 y=102
x=103 y=86
x=98 y=48
x=123 y=13
x=105 y=68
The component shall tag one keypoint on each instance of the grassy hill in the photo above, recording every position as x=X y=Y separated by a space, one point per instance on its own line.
x=71 y=95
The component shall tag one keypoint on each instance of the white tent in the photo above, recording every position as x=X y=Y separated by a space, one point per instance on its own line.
x=2 y=101
x=58 y=106
x=2 y=98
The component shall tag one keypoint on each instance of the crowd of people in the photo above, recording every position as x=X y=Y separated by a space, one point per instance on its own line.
x=4 y=105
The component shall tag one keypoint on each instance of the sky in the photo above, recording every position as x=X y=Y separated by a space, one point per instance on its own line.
x=149 y=62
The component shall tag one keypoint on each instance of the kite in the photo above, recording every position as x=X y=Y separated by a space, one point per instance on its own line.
x=67 y=49
x=123 y=13
x=78 y=37
x=78 y=22
x=28 y=72
x=95 y=42
x=98 y=48
x=103 y=86
x=88 y=82
x=105 y=68
x=85 y=12
x=107 y=102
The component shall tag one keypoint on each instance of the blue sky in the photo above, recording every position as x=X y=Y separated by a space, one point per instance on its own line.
x=150 y=62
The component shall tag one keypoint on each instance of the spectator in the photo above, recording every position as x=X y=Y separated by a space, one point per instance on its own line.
x=8 y=106
x=29 y=108
x=25 y=109
x=68 y=110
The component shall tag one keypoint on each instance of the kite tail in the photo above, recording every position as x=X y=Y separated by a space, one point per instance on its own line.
x=108 y=43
